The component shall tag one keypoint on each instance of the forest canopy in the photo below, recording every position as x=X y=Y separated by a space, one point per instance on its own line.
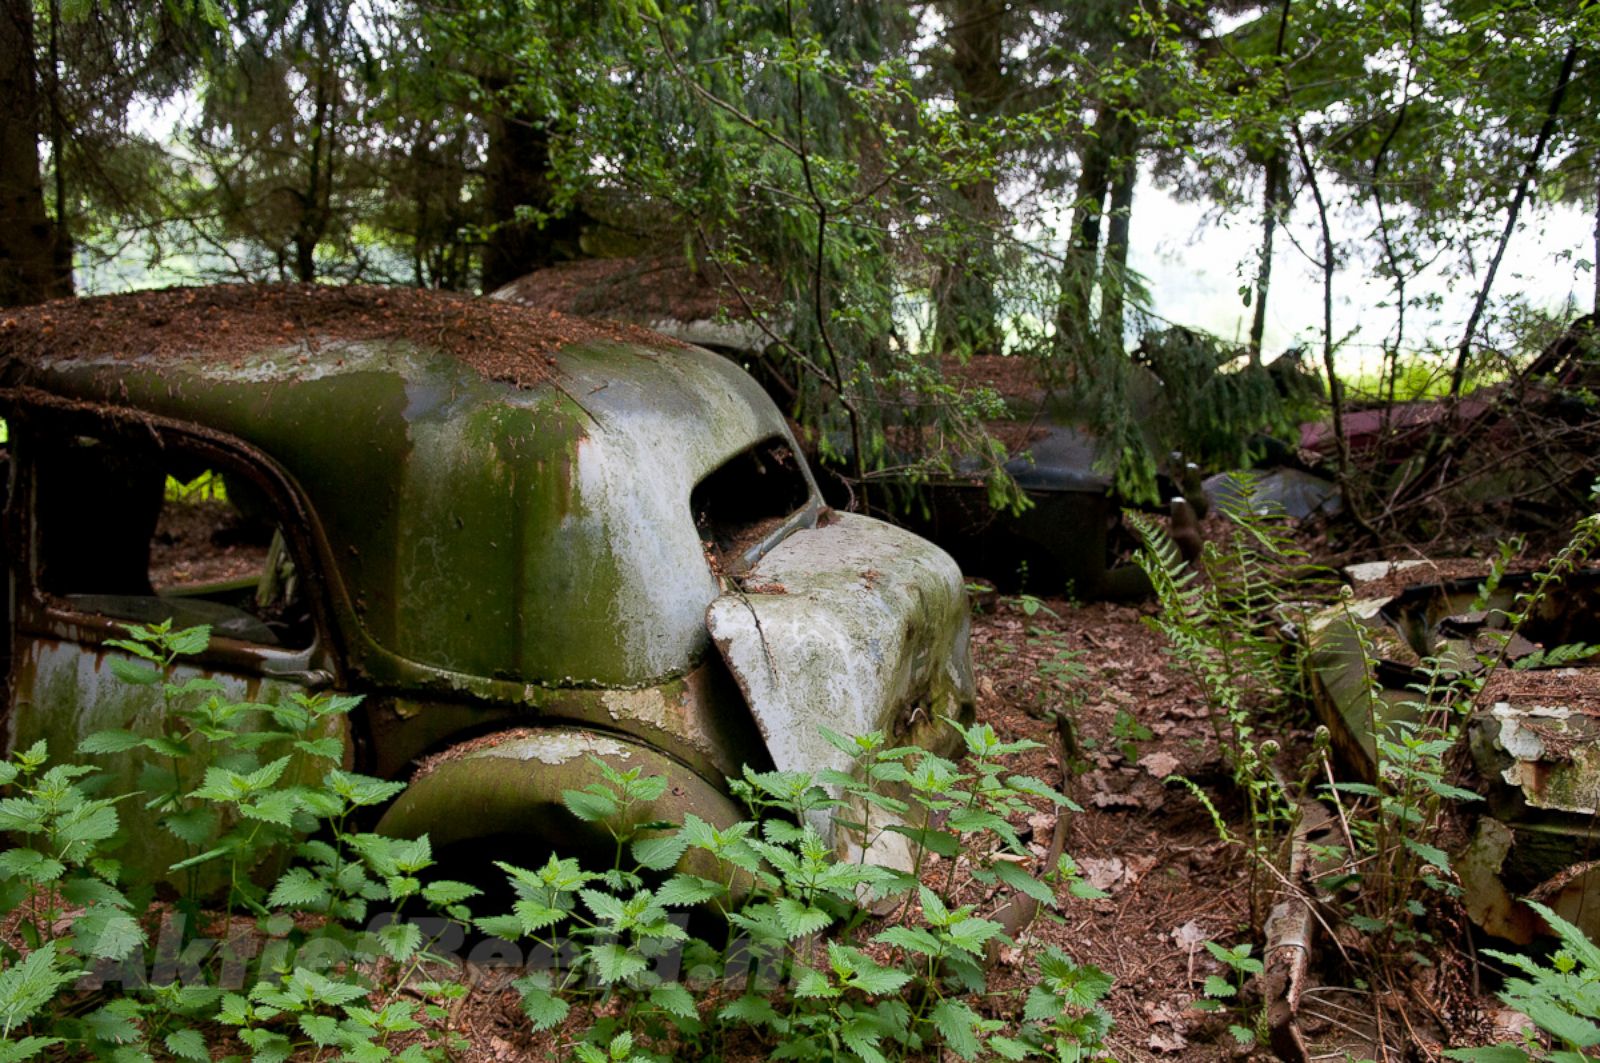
x=885 y=190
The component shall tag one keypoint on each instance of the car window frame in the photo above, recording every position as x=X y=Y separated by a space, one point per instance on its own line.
x=37 y=613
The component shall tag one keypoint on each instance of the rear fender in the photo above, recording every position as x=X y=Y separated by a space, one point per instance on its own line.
x=511 y=786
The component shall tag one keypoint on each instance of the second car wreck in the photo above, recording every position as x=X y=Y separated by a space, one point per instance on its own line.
x=1532 y=740
x=527 y=540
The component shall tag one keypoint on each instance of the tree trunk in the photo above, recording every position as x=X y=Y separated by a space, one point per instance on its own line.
x=1271 y=206
x=30 y=268
x=517 y=177
x=1073 y=316
x=968 y=311
x=1114 y=272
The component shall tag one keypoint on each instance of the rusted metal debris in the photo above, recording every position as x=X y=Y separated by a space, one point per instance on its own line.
x=1533 y=735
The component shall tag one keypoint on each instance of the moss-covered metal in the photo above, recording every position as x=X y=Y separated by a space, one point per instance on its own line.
x=488 y=560
x=538 y=535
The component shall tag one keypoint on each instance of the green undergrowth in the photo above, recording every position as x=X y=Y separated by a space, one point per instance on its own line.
x=1237 y=623
x=288 y=932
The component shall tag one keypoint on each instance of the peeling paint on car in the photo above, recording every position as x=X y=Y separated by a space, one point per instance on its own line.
x=799 y=655
x=555 y=748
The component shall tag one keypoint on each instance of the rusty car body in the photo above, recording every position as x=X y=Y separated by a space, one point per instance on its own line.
x=607 y=548
x=1532 y=737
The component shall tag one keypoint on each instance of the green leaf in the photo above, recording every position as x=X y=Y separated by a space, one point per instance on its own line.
x=1429 y=853
x=30 y=866
x=28 y=985
x=589 y=807
x=189 y=641
x=1023 y=883
x=400 y=939
x=798 y=919
x=942 y=842
x=137 y=674
x=110 y=742
x=674 y=999
x=27 y=1048
x=614 y=963
x=542 y=1007
x=684 y=889
x=1492 y=1054
x=659 y=853
x=107 y=932
x=957 y=1023
x=751 y=1010
x=299 y=888
x=1218 y=988
x=445 y=892
x=188 y=1044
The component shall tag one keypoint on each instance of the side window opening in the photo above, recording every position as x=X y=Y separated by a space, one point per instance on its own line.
x=146 y=536
x=747 y=498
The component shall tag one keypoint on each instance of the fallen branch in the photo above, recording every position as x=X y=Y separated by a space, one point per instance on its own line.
x=1290 y=933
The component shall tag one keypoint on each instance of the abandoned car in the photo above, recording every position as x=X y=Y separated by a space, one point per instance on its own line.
x=528 y=540
x=1532 y=742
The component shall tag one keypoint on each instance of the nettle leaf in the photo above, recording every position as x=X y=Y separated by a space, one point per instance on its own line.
x=912 y=939
x=110 y=742
x=400 y=939
x=27 y=1048
x=322 y=1029
x=446 y=891
x=539 y=1003
x=188 y=1044
x=29 y=984
x=22 y=815
x=116 y=1023
x=30 y=866
x=1429 y=853
x=589 y=806
x=504 y=927
x=107 y=932
x=616 y=963
x=532 y=916
x=683 y=889
x=941 y=842
x=85 y=890
x=751 y=1010
x=674 y=999
x=1218 y=988
x=798 y=919
x=196 y=826
x=1024 y=883
x=189 y=641
x=132 y=672
x=299 y=888
x=957 y=1023
x=659 y=853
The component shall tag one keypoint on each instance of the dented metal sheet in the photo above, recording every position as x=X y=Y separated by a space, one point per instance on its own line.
x=858 y=626
x=1554 y=752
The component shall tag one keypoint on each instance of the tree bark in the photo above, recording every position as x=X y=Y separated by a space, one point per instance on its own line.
x=30 y=268
x=1272 y=197
x=968 y=310
x=517 y=177
x=1073 y=312
x=1114 y=271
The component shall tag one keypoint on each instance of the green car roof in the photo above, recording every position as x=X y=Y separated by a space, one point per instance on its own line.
x=534 y=527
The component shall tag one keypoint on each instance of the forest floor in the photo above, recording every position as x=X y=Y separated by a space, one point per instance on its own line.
x=1172 y=881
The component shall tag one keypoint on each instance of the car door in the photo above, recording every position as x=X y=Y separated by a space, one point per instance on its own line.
x=117 y=520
